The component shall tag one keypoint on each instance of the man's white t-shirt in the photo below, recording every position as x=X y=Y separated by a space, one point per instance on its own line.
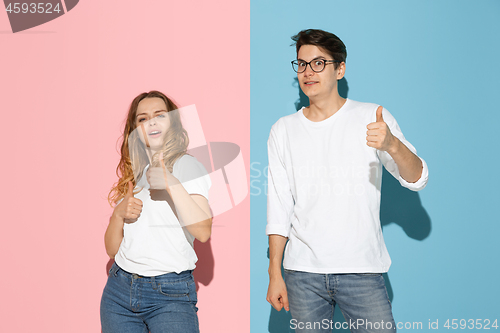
x=324 y=190
x=156 y=243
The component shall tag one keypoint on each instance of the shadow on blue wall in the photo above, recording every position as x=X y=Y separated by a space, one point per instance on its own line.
x=398 y=205
x=403 y=207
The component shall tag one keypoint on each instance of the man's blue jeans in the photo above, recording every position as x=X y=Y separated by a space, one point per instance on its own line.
x=134 y=304
x=362 y=298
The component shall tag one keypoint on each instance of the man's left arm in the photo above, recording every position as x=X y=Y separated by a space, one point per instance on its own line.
x=379 y=136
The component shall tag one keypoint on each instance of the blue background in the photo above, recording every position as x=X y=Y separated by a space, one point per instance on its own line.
x=435 y=66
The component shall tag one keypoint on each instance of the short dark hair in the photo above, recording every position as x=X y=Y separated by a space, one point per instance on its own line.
x=323 y=39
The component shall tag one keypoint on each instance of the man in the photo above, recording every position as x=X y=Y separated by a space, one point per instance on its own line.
x=325 y=177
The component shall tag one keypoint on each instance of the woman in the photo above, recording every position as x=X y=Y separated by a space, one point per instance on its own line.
x=151 y=231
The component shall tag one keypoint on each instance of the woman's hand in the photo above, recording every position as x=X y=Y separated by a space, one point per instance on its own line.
x=130 y=208
x=159 y=178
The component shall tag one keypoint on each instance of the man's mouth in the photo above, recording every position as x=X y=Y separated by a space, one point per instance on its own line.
x=308 y=83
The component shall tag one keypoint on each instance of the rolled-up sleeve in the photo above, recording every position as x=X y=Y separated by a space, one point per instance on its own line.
x=279 y=198
x=391 y=165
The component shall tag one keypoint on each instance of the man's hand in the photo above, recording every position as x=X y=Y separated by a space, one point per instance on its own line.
x=277 y=294
x=379 y=135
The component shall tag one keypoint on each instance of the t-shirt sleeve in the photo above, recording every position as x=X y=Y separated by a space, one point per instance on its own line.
x=192 y=175
x=391 y=165
x=279 y=198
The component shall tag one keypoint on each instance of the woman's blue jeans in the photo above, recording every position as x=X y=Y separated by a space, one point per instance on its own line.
x=362 y=298
x=135 y=304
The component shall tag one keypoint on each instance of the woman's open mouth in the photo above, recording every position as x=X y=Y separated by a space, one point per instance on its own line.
x=154 y=134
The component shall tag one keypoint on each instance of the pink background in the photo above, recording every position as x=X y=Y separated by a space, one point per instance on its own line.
x=65 y=89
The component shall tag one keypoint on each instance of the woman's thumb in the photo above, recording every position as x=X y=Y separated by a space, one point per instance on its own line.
x=130 y=192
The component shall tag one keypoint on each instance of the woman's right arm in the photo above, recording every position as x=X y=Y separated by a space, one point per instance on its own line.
x=114 y=235
x=127 y=211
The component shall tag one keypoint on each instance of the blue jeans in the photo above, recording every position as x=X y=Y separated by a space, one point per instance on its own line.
x=362 y=298
x=135 y=304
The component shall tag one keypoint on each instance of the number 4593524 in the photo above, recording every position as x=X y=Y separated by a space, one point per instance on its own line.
x=477 y=324
x=32 y=8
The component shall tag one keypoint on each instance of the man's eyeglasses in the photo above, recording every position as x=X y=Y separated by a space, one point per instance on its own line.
x=317 y=65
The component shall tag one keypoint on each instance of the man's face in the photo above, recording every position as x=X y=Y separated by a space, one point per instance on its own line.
x=323 y=84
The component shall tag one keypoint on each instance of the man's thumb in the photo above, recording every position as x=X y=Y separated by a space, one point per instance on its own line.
x=285 y=303
x=130 y=192
x=379 y=114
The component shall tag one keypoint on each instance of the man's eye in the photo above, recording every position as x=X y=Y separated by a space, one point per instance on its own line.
x=302 y=64
x=318 y=62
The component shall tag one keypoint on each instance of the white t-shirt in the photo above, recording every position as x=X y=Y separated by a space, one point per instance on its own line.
x=324 y=190
x=156 y=243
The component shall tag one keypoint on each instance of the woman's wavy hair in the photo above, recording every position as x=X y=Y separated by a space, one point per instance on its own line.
x=130 y=167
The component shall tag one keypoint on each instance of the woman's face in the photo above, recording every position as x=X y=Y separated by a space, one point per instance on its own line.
x=152 y=122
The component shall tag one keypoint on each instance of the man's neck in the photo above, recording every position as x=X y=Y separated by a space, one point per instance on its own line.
x=320 y=109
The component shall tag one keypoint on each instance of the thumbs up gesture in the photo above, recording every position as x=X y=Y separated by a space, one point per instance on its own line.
x=379 y=135
x=159 y=178
x=130 y=208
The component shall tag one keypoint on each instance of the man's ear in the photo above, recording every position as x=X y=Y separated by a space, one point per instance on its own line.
x=341 y=71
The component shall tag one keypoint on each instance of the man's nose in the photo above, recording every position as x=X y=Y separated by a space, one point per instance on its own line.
x=308 y=71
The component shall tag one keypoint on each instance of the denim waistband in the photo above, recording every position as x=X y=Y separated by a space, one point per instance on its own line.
x=168 y=277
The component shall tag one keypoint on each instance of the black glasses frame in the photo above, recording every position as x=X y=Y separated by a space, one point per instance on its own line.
x=296 y=62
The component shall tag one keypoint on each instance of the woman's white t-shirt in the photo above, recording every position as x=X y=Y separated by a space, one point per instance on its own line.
x=156 y=243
